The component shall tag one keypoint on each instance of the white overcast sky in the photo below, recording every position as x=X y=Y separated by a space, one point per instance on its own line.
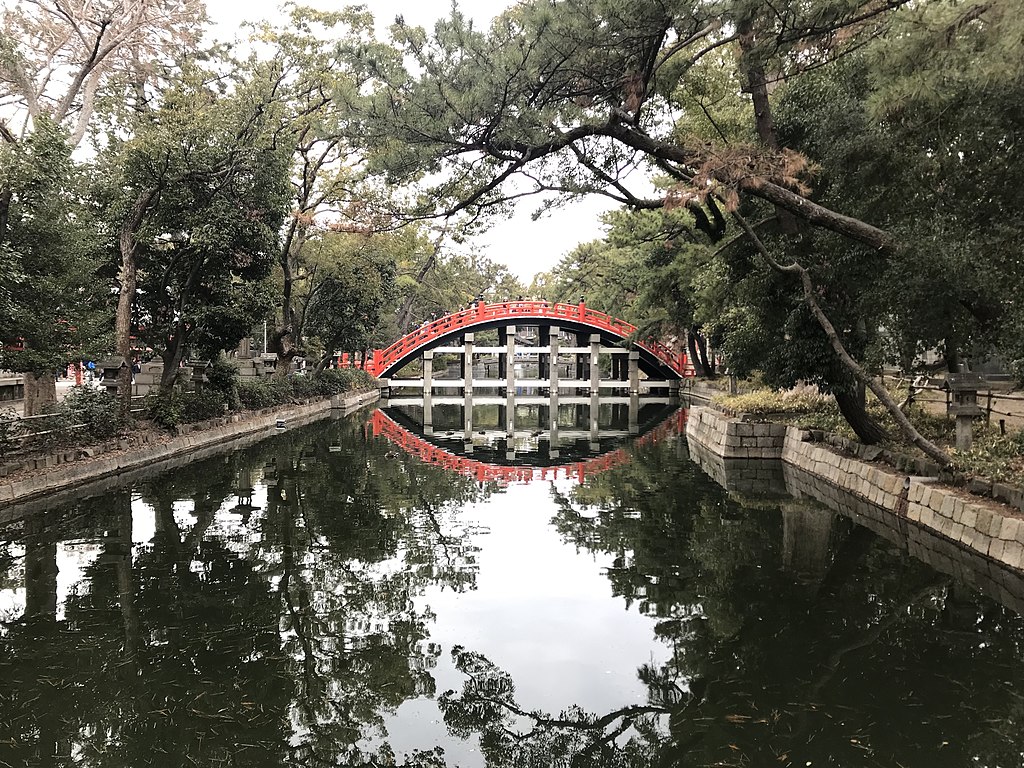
x=525 y=246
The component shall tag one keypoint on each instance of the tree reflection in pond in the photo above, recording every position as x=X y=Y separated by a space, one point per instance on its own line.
x=272 y=607
x=881 y=662
x=281 y=642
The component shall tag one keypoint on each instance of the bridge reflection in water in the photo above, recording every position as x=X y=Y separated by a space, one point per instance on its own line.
x=526 y=437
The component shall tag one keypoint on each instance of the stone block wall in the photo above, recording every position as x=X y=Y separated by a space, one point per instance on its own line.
x=981 y=525
x=968 y=566
x=735 y=438
x=740 y=477
x=215 y=437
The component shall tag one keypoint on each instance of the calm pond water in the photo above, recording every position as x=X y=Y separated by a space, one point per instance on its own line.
x=328 y=597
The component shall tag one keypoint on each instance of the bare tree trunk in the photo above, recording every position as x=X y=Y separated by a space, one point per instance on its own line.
x=281 y=341
x=952 y=356
x=852 y=406
x=706 y=361
x=126 y=297
x=695 y=359
x=171 y=357
x=40 y=393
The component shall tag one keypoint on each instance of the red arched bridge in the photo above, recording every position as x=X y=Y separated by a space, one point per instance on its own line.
x=383 y=425
x=657 y=360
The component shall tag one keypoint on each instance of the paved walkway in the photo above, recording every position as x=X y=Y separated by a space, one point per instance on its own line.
x=63 y=385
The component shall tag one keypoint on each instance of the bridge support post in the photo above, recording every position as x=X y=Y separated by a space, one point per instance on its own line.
x=553 y=372
x=510 y=384
x=634 y=413
x=510 y=360
x=428 y=373
x=428 y=413
x=467 y=391
x=595 y=435
x=467 y=364
x=553 y=416
x=510 y=415
x=595 y=364
x=634 y=372
x=502 y=358
x=510 y=425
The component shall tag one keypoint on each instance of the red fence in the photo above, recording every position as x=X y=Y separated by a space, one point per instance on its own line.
x=481 y=313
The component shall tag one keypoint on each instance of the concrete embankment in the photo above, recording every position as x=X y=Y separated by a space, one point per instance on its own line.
x=144 y=454
x=991 y=527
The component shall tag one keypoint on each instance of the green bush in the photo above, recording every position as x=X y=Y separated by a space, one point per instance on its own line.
x=995 y=456
x=222 y=375
x=765 y=401
x=304 y=386
x=183 y=407
x=53 y=430
x=96 y=409
x=10 y=429
x=263 y=393
x=336 y=381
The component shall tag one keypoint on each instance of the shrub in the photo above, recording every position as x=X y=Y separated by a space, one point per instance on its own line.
x=767 y=401
x=54 y=429
x=96 y=409
x=995 y=456
x=303 y=386
x=10 y=429
x=183 y=407
x=263 y=393
x=336 y=381
x=222 y=375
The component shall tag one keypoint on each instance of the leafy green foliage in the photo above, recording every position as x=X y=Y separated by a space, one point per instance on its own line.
x=96 y=409
x=208 y=236
x=347 y=308
x=995 y=457
x=47 y=257
x=260 y=393
x=168 y=410
x=772 y=401
x=222 y=375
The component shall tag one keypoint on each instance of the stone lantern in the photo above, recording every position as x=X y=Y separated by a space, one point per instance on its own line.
x=964 y=388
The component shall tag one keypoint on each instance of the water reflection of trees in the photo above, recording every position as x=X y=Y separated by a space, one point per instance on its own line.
x=288 y=637
x=874 y=664
x=283 y=641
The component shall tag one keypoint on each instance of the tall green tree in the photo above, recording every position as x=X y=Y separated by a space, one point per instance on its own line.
x=67 y=62
x=199 y=193
x=353 y=296
x=313 y=79
x=570 y=95
x=49 y=257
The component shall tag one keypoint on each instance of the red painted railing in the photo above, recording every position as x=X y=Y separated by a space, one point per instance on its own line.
x=379 y=361
x=427 y=452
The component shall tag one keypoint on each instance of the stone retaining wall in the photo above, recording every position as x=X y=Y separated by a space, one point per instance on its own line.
x=190 y=446
x=735 y=438
x=981 y=525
